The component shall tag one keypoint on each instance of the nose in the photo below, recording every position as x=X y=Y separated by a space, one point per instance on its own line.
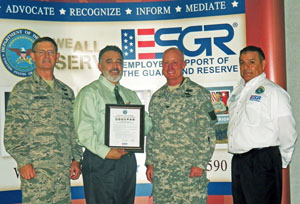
x=245 y=66
x=115 y=64
x=46 y=54
x=170 y=65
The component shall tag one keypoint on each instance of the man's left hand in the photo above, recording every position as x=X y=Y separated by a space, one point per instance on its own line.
x=196 y=172
x=75 y=170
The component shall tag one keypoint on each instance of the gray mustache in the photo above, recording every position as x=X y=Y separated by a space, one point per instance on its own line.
x=114 y=69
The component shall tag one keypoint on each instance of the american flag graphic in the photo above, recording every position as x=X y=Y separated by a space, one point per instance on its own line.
x=224 y=96
x=139 y=44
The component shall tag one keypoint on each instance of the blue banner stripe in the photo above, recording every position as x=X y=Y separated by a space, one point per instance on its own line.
x=219 y=188
x=214 y=188
x=7 y=197
x=141 y=11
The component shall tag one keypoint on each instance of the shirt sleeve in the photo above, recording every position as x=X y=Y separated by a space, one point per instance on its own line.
x=287 y=137
x=286 y=125
x=149 y=146
x=149 y=143
x=85 y=118
x=206 y=120
x=16 y=139
x=76 y=149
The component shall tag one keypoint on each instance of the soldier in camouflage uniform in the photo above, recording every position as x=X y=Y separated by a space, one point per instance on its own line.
x=39 y=131
x=182 y=139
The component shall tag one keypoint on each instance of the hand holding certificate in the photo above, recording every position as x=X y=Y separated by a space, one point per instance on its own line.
x=124 y=127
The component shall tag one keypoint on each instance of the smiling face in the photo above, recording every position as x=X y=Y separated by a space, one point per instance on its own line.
x=173 y=63
x=45 y=56
x=111 y=66
x=251 y=65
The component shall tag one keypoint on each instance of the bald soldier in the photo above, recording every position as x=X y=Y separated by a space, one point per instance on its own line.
x=182 y=139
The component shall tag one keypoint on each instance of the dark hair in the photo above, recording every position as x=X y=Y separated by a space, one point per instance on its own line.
x=43 y=39
x=253 y=49
x=110 y=48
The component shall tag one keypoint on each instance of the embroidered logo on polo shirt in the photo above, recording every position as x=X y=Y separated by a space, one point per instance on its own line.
x=260 y=90
x=255 y=98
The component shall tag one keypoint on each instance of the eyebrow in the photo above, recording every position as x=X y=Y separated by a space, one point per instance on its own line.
x=110 y=59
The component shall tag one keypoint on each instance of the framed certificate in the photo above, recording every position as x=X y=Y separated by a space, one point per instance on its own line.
x=124 y=127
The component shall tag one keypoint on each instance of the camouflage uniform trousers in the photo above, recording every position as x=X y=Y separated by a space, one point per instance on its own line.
x=51 y=185
x=172 y=185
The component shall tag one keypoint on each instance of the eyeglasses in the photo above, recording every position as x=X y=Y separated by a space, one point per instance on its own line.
x=44 y=52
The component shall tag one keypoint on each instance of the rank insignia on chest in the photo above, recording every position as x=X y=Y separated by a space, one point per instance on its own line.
x=188 y=92
x=260 y=90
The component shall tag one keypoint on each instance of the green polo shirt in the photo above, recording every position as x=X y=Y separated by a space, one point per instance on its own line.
x=89 y=113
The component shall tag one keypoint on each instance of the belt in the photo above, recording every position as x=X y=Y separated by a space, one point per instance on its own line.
x=256 y=150
x=130 y=154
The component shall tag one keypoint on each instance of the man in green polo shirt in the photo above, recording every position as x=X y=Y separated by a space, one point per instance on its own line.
x=109 y=174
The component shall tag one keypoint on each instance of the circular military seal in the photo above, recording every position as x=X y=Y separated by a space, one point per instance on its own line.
x=15 y=52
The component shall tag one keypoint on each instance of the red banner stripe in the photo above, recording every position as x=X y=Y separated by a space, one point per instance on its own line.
x=149 y=31
x=146 y=43
x=147 y=56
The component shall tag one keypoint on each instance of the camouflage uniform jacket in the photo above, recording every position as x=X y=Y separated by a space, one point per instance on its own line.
x=183 y=126
x=39 y=127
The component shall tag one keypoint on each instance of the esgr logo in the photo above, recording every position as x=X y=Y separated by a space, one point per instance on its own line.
x=15 y=52
x=142 y=43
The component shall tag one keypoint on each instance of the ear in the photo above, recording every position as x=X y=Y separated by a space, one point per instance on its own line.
x=57 y=56
x=99 y=67
x=184 y=64
x=32 y=56
x=264 y=64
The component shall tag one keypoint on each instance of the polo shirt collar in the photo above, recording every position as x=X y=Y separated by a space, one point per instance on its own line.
x=107 y=83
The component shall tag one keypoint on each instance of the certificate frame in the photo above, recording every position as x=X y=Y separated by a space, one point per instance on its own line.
x=124 y=127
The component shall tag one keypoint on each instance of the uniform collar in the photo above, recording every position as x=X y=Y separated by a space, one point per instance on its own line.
x=184 y=80
x=181 y=89
x=39 y=80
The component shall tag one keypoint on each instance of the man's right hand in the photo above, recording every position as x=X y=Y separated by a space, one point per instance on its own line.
x=149 y=173
x=115 y=153
x=27 y=171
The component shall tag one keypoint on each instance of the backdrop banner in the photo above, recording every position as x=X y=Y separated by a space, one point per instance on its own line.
x=209 y=32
